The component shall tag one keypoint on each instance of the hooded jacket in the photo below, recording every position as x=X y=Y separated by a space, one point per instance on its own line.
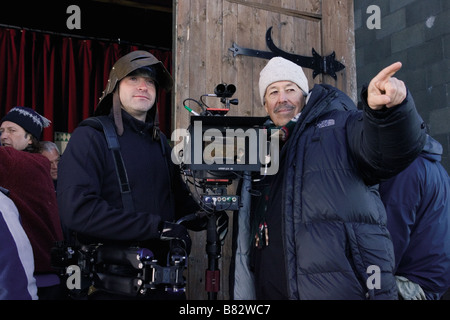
x=417 y=202
x=334 y=241
x=16 y=255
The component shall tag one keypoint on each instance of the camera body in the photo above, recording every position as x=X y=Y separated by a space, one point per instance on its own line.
x=218 y=149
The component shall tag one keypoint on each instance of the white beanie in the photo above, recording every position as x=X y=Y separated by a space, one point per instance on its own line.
x=281 y=69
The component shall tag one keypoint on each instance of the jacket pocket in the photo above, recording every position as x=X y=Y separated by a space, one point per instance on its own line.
x=356 y=261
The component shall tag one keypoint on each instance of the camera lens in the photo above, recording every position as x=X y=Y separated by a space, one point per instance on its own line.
x=220 y=89
x=231 y=89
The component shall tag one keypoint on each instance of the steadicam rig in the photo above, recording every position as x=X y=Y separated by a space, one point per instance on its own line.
x=216 y=150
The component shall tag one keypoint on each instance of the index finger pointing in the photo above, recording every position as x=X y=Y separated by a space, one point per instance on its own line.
x=387 y=72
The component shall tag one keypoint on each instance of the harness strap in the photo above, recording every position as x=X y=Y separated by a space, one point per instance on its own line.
x=114 y=146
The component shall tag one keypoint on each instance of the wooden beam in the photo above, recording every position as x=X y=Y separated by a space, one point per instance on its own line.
x=137 y=4
x=278 y=9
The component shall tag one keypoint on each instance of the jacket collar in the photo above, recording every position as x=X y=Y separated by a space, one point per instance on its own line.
x=137 y=125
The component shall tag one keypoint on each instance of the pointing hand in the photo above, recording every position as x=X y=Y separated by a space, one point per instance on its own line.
x=385 y=90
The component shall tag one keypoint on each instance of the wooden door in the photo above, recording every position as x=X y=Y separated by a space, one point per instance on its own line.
x=205 y=30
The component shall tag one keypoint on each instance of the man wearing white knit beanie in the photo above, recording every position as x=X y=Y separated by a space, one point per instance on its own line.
x=283 y=87
x=319 y=225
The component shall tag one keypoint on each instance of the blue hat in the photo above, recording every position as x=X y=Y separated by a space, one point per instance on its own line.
x=31 y=121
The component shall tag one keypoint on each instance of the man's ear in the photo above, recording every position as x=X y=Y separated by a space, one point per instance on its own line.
x=30 y=141
x=265 y=106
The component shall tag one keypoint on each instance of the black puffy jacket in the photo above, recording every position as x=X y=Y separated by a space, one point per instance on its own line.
x=334 y=221
x=334 y=238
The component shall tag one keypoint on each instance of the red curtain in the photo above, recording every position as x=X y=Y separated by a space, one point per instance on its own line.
x=62 y=78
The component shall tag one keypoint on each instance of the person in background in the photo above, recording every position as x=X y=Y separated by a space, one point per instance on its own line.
x=417 y=202
x=51 y=151
x=320 y=225
x=16 y=255
x=25 y=173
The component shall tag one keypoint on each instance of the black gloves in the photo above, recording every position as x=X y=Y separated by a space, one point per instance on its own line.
x=201 y=223
x=176 y=232
x=179 y=231
x=222 y=225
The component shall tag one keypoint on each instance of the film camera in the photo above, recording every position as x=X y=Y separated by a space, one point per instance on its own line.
x=215 y=150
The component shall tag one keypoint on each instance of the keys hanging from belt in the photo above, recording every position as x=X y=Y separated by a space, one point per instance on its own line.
x=262 y=236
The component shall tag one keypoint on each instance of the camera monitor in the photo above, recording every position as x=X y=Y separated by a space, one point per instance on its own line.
x=218 y=143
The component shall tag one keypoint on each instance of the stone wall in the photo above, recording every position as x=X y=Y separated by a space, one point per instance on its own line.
x=417 y=33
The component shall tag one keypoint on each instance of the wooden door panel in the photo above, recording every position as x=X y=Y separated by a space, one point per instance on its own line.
x=204 y=30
